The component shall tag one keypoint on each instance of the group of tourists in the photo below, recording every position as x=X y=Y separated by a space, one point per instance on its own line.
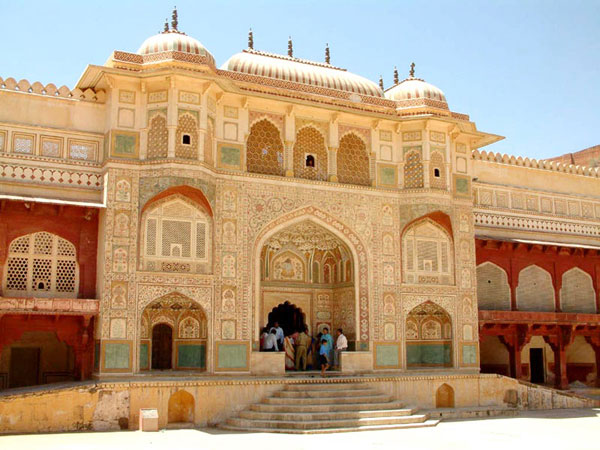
x=302 y=350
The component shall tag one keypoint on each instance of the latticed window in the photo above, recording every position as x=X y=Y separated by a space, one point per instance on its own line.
x=427 y=255
x=41 y=265
x=264 y=149
x=175 y=232
x=353 y=161
x=158 y=137
x=413 y=170
x=310 y=155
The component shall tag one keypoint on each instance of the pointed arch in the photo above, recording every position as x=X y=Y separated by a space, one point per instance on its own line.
x=577 y=292
x=493 y=290
x=535 y=291
x=310 y=142
x=41 y=264
x=428 y=256
x=359 y=254
x=264 y=148
x=428 y=336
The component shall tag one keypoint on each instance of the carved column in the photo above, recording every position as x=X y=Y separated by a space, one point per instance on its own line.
x=559 y=343
x=332 y=164
x=288 y=158
x=514 y=342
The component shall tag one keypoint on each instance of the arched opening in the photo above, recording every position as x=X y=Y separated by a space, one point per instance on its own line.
x=264 y=149
x=353 y=164
x=307 y=278
x=444 y=396
x=493 y=290
x=173 y=334
x=289 y=317
x=535 y=291
x=494 y=356
x=310 y=154
x=162 y=346
x=37 y=357
x=428 y=337
x=581 y=362
x=181 y=407
x=427 y=256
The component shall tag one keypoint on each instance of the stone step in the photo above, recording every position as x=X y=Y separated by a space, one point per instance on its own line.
x=325 y=386
x=319 y=424
x=322 y=393
x=427 y=423
x=327 y=400
x=318 y=416
x=263 y=407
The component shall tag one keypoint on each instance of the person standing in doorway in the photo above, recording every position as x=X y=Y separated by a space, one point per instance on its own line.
x=279 y=334
x=324 y=356
x=341 y=345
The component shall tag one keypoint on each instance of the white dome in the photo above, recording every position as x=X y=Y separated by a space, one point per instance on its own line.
x=297 y=70
x=415 y=88
x=174 y=41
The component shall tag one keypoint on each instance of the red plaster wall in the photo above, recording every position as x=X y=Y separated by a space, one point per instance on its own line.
x=76 y=224
x=513 y=258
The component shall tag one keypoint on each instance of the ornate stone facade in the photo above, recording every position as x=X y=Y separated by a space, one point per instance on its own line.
x=223 y=195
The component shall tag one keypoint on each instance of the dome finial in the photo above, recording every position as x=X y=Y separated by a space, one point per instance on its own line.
x=412 y=70
x=327 y=54
x=381 y=82
x=290 y=48
x=166 y=29
x=396 y=78
x=174 y=21
x=250 y=39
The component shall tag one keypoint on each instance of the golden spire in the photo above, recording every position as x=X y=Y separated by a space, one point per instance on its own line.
x=412 y=70
x=250 y=39
x=327 y=55
x=166 y=30
x=290 y=48
x=174 y=21
x=381 y=82
x=396 y=79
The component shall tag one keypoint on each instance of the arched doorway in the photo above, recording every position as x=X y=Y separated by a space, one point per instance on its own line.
x=307 y=277
x=173 y=334
x=162 y=346
x=290 y=318
x=428 y=336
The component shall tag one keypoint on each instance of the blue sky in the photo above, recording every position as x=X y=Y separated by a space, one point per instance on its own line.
x=527 y=70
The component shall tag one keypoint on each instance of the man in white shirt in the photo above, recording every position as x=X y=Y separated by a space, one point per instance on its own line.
x=279 y=334
x=271 y=342
x=341 y=345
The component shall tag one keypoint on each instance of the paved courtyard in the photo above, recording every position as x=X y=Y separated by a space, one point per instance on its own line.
x=559 y=429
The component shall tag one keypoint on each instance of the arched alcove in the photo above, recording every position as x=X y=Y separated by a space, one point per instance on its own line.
x=444 y=396
x=181 y=407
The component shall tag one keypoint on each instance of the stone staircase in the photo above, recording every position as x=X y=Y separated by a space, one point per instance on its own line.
x=327 y=407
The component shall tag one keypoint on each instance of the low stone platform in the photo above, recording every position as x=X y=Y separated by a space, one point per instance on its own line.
x=327 y=408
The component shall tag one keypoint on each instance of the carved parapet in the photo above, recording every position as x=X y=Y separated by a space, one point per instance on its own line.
x=52 y=306
x=89 y=95
x=536 y=164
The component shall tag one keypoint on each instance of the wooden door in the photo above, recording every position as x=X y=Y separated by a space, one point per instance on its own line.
x=24 y=366
x=162 y=346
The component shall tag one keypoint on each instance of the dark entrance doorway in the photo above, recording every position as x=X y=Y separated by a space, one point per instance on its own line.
x=24 y=366
x=536 y=364
x=162 y=346
x=290 y=318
